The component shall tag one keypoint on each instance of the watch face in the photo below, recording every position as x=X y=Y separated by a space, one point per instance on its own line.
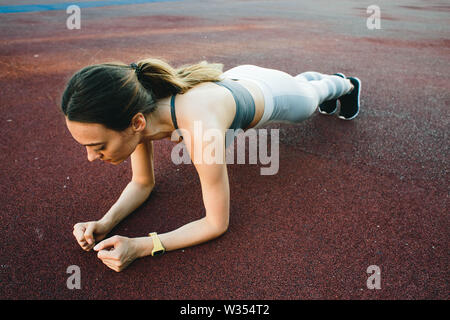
x=157 y=253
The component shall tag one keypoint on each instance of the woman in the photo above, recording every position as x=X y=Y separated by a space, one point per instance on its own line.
x=117 y=110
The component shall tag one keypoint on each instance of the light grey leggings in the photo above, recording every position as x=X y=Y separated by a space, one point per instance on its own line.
x=290 y=99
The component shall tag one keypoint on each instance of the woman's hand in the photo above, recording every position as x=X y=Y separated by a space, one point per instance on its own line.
x=117 y=252
x=87 y=233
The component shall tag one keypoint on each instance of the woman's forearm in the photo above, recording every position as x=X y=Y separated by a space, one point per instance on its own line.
x=190 y=234
x=131 y=198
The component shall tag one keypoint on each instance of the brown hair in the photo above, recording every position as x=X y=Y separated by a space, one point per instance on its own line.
x=111 y=93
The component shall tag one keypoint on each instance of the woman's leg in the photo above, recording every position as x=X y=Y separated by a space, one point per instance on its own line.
x=297 y=98
x=291 y=99
x=327 y=87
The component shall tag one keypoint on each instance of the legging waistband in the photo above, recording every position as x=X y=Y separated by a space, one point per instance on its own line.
x=266 y=91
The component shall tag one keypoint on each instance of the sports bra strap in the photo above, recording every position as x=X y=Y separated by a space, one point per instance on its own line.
x=172 y=111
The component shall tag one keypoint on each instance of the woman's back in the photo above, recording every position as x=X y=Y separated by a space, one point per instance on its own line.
x=211 y=103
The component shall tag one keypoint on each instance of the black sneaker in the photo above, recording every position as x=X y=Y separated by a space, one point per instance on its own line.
x=330 y=106
x=350 y=102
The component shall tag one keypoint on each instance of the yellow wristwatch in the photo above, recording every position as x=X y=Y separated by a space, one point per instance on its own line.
x=158 y=248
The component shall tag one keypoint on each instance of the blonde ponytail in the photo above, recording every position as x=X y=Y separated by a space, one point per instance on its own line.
x=113 y=93
x=163 y=80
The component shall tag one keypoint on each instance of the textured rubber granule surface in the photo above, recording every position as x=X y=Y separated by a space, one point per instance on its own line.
x=348 y=194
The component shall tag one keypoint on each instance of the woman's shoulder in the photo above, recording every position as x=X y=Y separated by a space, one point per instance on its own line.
x=195 y=99
x=203 y=103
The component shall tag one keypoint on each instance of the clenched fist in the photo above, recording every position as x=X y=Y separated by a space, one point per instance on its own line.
x=118 y=252
x=87 y=233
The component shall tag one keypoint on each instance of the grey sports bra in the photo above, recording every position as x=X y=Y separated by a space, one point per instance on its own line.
x=245 y=105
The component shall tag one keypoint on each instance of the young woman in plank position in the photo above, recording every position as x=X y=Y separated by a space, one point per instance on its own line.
x=116 y=110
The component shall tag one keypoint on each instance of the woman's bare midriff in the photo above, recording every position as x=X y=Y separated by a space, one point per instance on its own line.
x=258 y=97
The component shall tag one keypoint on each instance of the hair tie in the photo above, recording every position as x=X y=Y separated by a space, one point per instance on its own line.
x=137 y=70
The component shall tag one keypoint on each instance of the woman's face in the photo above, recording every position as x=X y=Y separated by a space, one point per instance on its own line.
x=113 y=146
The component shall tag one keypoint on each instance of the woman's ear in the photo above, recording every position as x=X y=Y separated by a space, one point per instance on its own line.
x=139 y=121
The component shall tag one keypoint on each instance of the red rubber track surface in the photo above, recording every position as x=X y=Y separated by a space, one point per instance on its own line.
x=348 y=194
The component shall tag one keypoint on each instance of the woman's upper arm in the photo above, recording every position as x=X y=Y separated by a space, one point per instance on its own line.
x=142 y=164
x=213 y=178
x=215 y=193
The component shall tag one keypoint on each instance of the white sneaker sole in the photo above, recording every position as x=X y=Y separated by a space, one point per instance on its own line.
x=359 y=103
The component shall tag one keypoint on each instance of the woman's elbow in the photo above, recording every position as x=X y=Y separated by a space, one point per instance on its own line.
x=222 y=229
x=219 y=228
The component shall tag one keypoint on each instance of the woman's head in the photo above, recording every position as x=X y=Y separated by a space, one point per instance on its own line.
x=109 y=101
x=107 y=144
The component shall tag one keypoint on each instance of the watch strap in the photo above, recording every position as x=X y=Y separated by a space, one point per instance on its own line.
x=158 y=248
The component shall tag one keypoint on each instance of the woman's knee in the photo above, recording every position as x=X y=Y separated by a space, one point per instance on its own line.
x=296 y=108
x=310 y=107
x=309 y=75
